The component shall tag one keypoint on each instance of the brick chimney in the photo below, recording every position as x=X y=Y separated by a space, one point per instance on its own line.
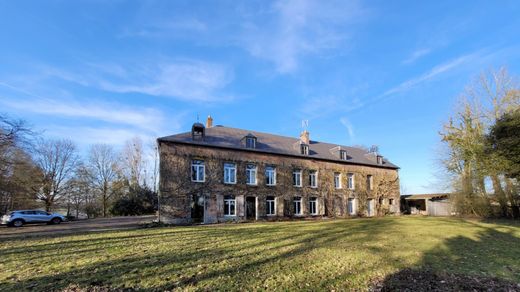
x=209 y=122
x=304 y=137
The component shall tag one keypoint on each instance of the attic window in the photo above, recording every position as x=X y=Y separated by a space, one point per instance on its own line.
x=343 y=155
x=304 y=149
x=251 y=142
x=379 y=159
x=197 y=131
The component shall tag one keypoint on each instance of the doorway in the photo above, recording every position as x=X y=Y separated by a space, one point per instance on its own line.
x=197 y=208
x=250 y=208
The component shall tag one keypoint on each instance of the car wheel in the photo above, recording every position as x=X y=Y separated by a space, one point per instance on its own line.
x=17 y=223
x=56 y=220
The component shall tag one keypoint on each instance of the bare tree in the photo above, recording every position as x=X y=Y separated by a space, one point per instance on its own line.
x=57 y=160
x=134 y=164
x=104 y=170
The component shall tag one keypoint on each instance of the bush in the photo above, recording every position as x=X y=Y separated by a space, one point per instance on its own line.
x=138 y=201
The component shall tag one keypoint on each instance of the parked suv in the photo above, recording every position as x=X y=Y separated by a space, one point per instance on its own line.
x=19 y=218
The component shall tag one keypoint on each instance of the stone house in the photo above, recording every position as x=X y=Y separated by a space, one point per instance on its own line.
x=215 y=173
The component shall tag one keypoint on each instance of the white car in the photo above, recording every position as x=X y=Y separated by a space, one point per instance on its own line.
x=21 y=217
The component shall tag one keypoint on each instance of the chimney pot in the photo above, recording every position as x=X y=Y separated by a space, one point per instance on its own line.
x=304 y=137
x=209 y=122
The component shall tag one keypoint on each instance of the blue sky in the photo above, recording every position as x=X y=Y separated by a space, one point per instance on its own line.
x=376 y=72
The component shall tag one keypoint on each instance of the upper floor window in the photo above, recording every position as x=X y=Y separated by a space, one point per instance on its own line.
x=350 y=181
x=229 y=206
x=197 y=171
x=370 y=182
x=313 y=179
x=297 y=178
x=230 y=173
x=343 y=155
x=337 y=180
x=270 y=176
x=270 y=206
x=251 y=142
x=251 y=174
x=304 y=149
x=390 y=201
x=297 y=204
x=313 y=206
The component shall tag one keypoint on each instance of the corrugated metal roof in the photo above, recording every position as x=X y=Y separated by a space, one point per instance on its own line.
x=226 y=137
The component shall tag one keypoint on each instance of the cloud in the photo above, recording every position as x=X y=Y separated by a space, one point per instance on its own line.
x=316 y=107
x=294 y=29
x=166 y=28
x=437 y=70
x=416 y=55
x=350 y=129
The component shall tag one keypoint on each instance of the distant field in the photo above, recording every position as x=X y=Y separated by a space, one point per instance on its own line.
x=317 y=255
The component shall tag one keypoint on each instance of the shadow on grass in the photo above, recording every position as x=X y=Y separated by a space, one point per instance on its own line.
x=488 y=261
x=222 y=253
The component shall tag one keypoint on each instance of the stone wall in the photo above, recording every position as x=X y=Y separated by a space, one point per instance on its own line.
x=177 y=190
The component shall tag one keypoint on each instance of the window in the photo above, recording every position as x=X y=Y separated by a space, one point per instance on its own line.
x=351 y=206
x=229 y=206
x=313 y=206
x=313 y=179
x=297 y=178
x=390 y=201
x=251 y=142
x=271 y=206
x=337 y=180
x=270 y=176
x=381 y=201
x=379 y=159
x=343 y=155
x=304 y=149
x=350 y=181
x=251 y=174
x=297 y=205
x=369 y=182
x=230 y=173
x=197 y=171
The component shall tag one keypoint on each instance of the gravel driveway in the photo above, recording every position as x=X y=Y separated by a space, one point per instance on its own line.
x=81 y=226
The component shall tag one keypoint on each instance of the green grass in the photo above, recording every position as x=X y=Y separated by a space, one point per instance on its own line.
x=317 y=255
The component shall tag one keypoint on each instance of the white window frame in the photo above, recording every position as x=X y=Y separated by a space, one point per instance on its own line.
x=297 y=202
x=313 y=173
x=313 y=201
x=267 y=202
x=230 y=171
x=352 y=211
x=249 y=176
x=343 y=155
x=338 y=185
x=227 y=208
x=304 y=149
x=250 y=141
x=270 y=170
x=197 y=165
x=297 y=178
x=350 y=181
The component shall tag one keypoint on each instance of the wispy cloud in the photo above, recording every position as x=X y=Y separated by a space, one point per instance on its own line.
x=416 y=55
x=315 y=107
x=350 y=129
x=435 y=71
x=166 y=28
x=293 y=29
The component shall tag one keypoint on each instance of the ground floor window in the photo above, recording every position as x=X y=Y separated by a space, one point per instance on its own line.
x=297 y=205
x=313 y=206
x=270 y=206
x=351 y=206
x=229 y=206
x=390 y=201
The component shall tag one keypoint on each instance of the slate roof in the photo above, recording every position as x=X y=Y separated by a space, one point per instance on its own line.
x=231 y=138
x=426 y=196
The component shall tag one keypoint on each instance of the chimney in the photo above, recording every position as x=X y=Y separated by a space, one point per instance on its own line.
x=209 y=122
x=304 y=137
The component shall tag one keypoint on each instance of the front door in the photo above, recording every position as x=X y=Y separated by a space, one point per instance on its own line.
x=251 y=208
x=197 y=208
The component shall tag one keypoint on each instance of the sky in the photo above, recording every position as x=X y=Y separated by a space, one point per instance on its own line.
x=385 y=73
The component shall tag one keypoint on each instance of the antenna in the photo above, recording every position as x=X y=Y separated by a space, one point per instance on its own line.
x=197 y=117
x=305 y=124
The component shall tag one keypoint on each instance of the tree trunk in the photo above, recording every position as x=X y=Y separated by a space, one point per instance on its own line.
x=500 y=195
x=512 y=194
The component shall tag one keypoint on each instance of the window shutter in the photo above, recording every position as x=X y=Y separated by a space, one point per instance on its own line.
x=240 y=205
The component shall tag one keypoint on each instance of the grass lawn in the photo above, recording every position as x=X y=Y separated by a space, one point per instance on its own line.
x=318 y=255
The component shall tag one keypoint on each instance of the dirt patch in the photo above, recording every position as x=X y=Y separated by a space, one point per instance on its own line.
x=426 y=280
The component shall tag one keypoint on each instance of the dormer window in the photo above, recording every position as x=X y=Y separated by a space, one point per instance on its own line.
x=198 y=132
x=304 y=149
x=379 y=159
x=249 y=141
x=343 y=155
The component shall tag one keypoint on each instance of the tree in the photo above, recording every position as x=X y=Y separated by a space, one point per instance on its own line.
x=134 y=164
x=104 y=171
x=504 y=141
x=57 y=160
x=138 y=201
